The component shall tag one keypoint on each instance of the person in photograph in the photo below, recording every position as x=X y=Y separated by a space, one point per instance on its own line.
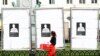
x=14 y=29
x=45 y=29
x=81 y=28
x=52 y=50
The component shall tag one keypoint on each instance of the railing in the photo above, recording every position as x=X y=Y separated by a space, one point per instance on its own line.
x=58 y=53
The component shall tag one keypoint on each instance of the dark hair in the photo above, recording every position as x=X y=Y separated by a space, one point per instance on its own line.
x=53 y=34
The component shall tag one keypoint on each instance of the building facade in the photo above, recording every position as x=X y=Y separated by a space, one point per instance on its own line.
x=7 y=4
x=65 y=4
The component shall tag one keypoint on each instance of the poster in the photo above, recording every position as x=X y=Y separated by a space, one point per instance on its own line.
x=84 y=28
x=81 y=29
x=45 y=30
x=47 y=20
x=14 y=30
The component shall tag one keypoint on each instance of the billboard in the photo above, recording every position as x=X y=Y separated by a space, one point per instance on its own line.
x=47 y=20
x=16 y=29
x=84 y=29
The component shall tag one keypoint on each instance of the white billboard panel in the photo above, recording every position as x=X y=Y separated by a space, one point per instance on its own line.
x=51 y=20
x=84 y=27
x=16 y=29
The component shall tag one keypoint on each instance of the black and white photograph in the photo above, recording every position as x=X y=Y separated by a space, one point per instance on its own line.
x=14 y=30
x=81 y=28
x=45 y=30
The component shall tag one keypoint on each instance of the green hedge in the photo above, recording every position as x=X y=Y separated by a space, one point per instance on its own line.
x=58 y=53
x=14 y=53
x=71 y=53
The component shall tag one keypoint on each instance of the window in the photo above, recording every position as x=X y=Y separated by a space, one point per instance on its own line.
x=37 y=1
x=51 y=1
x=69 y=1
x=82 y=1
x=5 y=2
x=93 y=1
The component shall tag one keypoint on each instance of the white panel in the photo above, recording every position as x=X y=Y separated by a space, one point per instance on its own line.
x=53 y=17
x=90 y=20
x=82 y=44
x=22 y=40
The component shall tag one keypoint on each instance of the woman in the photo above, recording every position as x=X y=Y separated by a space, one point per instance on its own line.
x=52 y=50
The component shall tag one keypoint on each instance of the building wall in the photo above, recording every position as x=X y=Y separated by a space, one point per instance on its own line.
x=63 y=4
x=9 y=5
x=26 y=3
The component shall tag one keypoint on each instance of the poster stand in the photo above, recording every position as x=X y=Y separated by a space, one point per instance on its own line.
x=42 y=15
x=83 y=37
x=14 y=27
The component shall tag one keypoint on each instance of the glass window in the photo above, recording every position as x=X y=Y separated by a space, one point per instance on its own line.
x=93 y=1
x=37 y=1
x=82 y=1
x=51 y=1
x=5 y=2
x=69 y=1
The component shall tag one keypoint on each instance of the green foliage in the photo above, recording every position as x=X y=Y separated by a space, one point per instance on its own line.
x=58 y=53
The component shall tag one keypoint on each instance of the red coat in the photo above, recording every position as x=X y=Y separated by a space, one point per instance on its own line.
x=51 y=50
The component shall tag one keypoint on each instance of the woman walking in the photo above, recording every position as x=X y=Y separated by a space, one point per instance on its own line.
x=52 y=50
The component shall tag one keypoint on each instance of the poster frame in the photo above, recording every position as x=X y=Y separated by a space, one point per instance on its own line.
x=80 y=8
x=47 y=23
x=30 y=35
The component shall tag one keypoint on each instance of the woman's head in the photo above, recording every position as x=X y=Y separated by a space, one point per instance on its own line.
x=53 y=34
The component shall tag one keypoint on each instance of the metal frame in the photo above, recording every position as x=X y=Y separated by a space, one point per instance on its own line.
x=68 y=10
x=1 y=30
x=29 y=24
x=69 y=25
x=70 y=28
x=62 y=23
x=35 y=28
x=98 y=39
x=72 y=18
